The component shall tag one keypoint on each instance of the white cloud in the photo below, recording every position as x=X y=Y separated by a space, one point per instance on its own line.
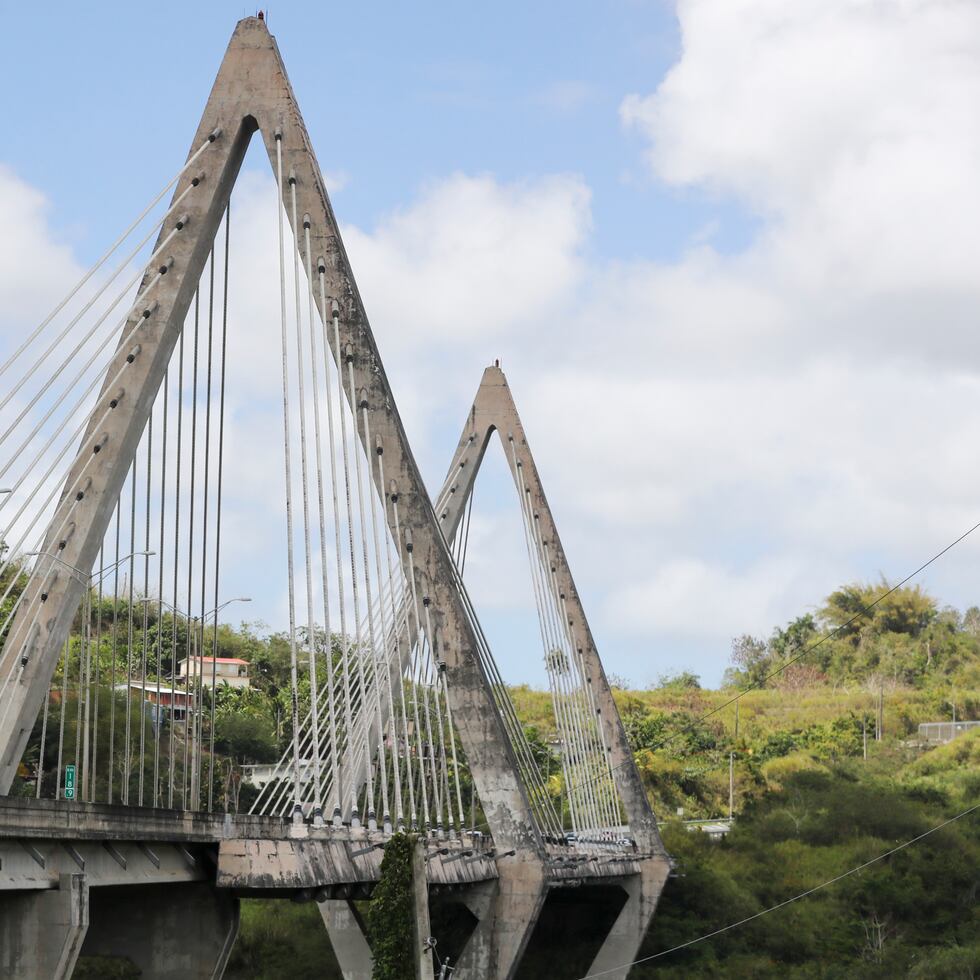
x=690 y=596
x=726 y=437
x=35 y=269
x=849 y=126
x=471 y=258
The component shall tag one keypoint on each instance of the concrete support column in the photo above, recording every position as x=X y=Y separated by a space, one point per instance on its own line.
x=41 y=932
x=475 y=960
x=622 y=944
x=423 y=929
x=347 y=937
x=170 y=932
x=509 y=913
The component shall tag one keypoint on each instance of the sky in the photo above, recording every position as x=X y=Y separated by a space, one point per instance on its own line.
x=724 y=249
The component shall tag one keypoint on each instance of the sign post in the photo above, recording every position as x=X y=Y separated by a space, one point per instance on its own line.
x=69 y=782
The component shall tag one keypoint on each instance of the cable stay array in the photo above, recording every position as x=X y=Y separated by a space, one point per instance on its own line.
x=168 y=453
x=595 y=812
x=134 y=699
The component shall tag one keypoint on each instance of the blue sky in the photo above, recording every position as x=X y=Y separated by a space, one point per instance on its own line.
x=393 y=97
x=724 y=248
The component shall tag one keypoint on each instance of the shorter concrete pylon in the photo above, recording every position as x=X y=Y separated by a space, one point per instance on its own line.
x=180 y=931
x=494 y=410
x=622 y=944
x=507 y=911
x=348 y=938
x=41 y=932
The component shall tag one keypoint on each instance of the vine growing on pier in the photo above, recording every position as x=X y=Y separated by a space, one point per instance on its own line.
x=391 y=915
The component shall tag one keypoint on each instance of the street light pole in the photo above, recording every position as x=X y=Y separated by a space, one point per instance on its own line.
x=195 y=670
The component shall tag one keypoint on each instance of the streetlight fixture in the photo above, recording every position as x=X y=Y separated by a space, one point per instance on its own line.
x=104 y=570
x=227 y=602
x=163 y=602
x=210 y=612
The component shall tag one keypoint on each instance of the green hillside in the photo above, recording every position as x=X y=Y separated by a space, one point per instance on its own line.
x=826 y=769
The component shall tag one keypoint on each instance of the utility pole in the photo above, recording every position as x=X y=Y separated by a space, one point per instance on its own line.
x=880 y=728
x=864 y=736
x=731 y=785
x=731 y=771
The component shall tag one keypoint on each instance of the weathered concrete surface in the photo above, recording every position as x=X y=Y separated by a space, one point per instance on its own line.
x=478 y=952
x=117 y=845
x=494 y=410
x=346 y=932
x=63 y=819
x=171 y=932
x=576 y=866
x=348 y=936
x=326 y=860
x=506 y=911
x=623 y=941
x=40 y=864
x=41 y=932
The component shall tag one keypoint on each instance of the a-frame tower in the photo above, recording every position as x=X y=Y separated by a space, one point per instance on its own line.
x=252 y=96
x=494 y=411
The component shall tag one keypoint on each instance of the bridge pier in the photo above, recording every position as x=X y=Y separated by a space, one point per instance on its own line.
x=507 y=910
x=347 y=936
x=479 y=898
x=623 y=941
x=41 y=932
x=170 y=932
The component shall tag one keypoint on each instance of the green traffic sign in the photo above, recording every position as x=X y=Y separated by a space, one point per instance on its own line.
x=69 y=782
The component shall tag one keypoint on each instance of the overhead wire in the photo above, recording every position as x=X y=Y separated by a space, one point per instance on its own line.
x=789 y=901
x=758 y=684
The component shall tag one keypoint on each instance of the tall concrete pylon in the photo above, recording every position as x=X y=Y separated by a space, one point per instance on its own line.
x=252 y=94
x=494 y=410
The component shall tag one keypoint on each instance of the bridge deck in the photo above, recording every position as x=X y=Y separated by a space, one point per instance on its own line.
x=40 y=839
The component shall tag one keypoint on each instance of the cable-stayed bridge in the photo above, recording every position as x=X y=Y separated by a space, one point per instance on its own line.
x=122 y=470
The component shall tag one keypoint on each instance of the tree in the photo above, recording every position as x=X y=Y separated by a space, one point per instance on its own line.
x=683 y=680
x=619 y=682
x=857 y=607
x=245 y=737
x=391 y=915
x=751 y=659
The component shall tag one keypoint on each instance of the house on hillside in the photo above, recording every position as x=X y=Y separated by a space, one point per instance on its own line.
x=223 y=670
x=170 y=701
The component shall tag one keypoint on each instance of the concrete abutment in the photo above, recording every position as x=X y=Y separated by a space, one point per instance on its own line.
x=169 y=932
x=42 y=932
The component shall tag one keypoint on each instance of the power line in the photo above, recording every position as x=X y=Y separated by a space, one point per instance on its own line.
x=807 y=650
x=788 y=901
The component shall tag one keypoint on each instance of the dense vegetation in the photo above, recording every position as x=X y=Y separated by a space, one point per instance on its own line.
x=822 y=784
x=391 y=913
x=912 y=915
x=824 y=761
